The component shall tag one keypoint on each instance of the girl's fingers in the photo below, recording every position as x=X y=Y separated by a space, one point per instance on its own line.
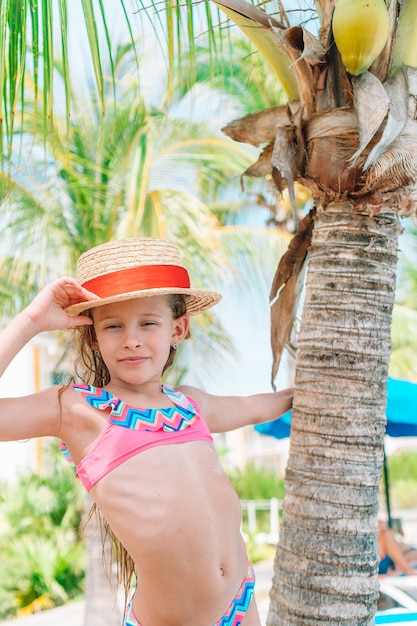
x=74 y=291
x=90 y=295
x=81 y=320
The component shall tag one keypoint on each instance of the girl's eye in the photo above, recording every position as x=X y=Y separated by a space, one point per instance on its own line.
x=149 y=323
x=110 y=326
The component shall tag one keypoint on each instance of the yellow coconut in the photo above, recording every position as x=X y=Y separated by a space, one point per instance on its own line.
x=360 y=29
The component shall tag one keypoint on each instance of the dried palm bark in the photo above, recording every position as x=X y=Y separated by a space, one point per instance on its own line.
x=370 y=150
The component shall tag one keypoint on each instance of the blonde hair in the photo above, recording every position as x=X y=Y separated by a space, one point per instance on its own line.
x=91 y=370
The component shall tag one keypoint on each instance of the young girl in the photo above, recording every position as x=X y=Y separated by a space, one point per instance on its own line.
x=145 y=451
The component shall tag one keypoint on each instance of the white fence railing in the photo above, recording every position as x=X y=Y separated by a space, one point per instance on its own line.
x=252 y=507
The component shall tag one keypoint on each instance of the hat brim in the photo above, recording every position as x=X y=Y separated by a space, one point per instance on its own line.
x=197 y=300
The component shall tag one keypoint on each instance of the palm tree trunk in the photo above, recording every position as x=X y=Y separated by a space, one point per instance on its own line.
x=326 y=562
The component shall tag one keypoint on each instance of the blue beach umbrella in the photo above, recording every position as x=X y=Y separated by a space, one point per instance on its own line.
x=401 y=408
x=401 y=421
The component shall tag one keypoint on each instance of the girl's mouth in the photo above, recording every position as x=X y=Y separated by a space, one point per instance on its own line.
x=133 y=360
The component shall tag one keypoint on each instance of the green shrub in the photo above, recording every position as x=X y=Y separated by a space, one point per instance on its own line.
x=403 y=465
x=257 y=483
x=43 y=557
x=402 y=479
x=404 y=494
x=259 y=551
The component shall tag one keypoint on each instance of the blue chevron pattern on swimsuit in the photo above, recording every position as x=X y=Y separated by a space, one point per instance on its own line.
x=240 y=605
x=170 y=419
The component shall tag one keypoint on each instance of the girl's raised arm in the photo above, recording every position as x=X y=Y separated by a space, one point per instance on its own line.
x=38 y=414
x=46 y=312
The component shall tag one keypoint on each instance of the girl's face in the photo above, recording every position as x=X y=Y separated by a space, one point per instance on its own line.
x=135 y=336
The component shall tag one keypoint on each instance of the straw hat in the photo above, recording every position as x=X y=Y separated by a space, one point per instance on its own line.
x=135 y=268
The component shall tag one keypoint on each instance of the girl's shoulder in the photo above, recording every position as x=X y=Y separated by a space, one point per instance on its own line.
x=68 y=396
x=191 y=392
x=71 y=392
x=202 y=399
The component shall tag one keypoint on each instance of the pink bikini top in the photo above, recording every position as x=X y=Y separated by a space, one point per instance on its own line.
x=131 y=430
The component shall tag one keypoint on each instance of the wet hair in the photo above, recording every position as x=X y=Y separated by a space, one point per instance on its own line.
x=91 y=369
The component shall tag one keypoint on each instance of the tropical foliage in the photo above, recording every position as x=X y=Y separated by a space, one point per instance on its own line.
x=402 y=472
x=136 y=169
x=43 y=557
x=257 y=483
x=403 y=362
x=404 y=328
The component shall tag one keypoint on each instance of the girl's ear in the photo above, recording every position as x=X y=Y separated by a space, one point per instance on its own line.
x=180 y=329
x=93 y=340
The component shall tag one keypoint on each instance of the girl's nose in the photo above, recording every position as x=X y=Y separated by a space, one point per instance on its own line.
x=132 y=338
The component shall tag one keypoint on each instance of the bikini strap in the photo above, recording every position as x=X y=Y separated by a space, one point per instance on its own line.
x=97 y=397
x=179 y=399
x=169 y=419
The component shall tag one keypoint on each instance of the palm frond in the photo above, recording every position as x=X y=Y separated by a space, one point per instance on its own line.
x=29 y=34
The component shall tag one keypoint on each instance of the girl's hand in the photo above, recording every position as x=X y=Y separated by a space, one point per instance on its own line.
x=47 y=310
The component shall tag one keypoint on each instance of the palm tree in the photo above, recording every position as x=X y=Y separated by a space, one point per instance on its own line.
x=325 y=566
x=350 y=137
x=135 y=170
